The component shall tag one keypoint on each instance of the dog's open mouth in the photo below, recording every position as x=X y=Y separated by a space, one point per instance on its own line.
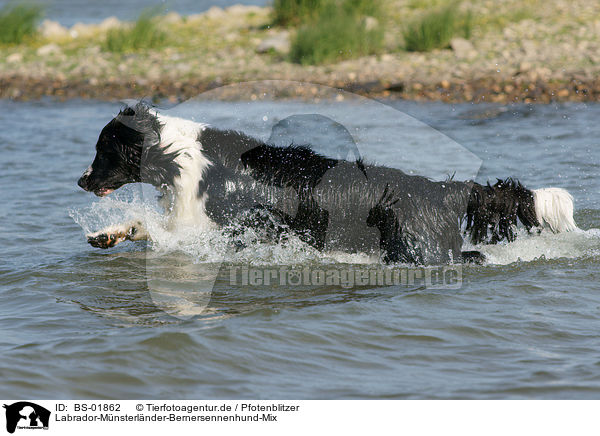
x=102 y=192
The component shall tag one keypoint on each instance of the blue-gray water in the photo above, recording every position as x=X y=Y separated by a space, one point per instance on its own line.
x=69 y=12
x=80 y=322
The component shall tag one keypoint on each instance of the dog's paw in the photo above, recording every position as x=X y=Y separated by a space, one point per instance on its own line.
x=105 y=240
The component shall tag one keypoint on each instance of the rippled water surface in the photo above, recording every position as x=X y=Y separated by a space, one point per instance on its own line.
x=80 y=322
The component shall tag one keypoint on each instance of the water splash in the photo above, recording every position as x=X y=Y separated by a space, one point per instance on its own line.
x=202 y=246
x=214 y=246
x=547 y=245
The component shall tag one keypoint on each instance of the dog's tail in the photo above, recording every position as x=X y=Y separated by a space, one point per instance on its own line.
x=554 y=209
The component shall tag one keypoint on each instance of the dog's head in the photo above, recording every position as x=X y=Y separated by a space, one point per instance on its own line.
x=123 y=145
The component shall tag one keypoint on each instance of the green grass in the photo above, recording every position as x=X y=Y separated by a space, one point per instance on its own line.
x=509 y=17
x=146 y=33
x=337 y=33
x=436 y=28
x=294 y=12
x=423 y=4
x=372 y=8
x=465 y=25
x=298 y=12
x=18 y=22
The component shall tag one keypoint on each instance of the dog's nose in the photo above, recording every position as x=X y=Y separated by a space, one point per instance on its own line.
x=83 y=182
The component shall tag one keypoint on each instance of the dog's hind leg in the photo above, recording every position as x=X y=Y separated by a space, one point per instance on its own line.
x=111 y=236
x=311 y=222
x=396 y=245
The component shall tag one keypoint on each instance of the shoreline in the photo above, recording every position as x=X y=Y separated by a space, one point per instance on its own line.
x=484 y=90
x=535 y=56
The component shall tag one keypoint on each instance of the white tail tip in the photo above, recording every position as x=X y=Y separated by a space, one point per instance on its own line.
x=554 y=209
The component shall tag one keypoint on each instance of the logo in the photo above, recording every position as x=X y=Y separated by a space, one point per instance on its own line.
x=26 y=415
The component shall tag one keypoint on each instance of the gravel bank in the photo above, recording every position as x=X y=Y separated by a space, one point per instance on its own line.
x=540 y=52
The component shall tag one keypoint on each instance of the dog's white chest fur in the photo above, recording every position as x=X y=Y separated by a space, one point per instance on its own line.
x=187 y=206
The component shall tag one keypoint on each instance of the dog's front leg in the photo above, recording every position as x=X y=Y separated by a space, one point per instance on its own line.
x=111 y=236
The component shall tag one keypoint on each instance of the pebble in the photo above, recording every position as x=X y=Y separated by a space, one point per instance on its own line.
x=371 y=23
x=463 y=49
x=214 y=13
x=53 y=30
x=14 y=58
x=172 y=18
x=109 y=23
x=79 y=30
x=48 y=49
x=280 y=43
x=531 y=60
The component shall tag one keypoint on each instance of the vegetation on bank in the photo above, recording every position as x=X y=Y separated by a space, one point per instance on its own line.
x=515 y=40
x=145 y=34
x=434 y=29
x=18 y=22
x=321 y=31
x=294 y=12
x=337 y=32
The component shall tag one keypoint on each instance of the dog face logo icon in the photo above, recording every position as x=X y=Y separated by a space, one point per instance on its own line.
x=24 y=414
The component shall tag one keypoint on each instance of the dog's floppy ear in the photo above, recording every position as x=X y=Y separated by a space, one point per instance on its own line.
x=128 y=111
x=129 y=106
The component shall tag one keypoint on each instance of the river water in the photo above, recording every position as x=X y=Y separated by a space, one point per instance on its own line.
x=78 y=322
x=69 y=12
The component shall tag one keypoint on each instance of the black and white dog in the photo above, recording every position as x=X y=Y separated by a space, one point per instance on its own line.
x=214 y=179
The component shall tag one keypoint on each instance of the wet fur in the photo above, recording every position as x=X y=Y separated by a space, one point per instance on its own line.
x=213 y=179
x=493 y=211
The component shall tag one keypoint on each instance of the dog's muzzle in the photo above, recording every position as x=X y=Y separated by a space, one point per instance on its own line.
x=100 y=192
x=83 y=182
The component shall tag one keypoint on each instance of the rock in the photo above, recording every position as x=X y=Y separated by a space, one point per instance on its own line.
x=172 y=18
x=214 y=13
x=525 y=66
x=530 y=48
x=279 y=43
x=544 y=73
x=109 y=23
x=371 y=23
x=194 y=18
x=14 y=58
x=462 y=48
x=532 y=76
x=48 y=49
x=79 y=30
x=509 y=33
x=53 y=30
x=243 y=9
x=93 y=50
x=231 y=36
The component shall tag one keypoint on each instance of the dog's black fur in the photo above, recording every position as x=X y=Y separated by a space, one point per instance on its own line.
x=495 y=209
x=331 y=204
x=129 y=139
